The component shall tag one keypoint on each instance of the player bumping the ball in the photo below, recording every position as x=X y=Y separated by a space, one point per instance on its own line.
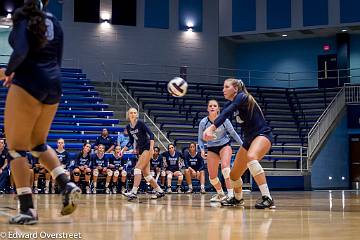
x=257 y=140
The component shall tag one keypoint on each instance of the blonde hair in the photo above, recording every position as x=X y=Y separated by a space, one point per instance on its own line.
x=127 y=113
x=238 y=83
x=218 y=112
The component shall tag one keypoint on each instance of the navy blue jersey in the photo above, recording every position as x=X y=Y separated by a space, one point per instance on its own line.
x=172 y=162
x=63 y=157
x=37 y=69
x=251 y=122
x=116 y=161
x=96 y=161
x=141 y=134
x=156 y=163
x=195 y=162
x=106 y=141
x=82 y=160
x=3 y=157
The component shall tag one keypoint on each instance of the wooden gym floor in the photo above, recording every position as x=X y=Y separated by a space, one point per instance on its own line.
x=299 y=215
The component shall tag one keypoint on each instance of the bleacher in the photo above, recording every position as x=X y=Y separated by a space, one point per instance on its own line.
x=290 y=112
x=81 y=115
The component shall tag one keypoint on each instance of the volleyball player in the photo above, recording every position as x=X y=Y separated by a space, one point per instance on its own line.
x=219 y=150
x=99 y=165
x=194 y=165
x=257 y=137
x=139 y=132
x=33 y=75
x=64 y=159
x=116 y=168
x=171 y=160
x=82 y=166
x=156 y=166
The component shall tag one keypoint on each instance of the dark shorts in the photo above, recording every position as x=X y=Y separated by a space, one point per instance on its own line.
x=196 y=168
x=217 y=149
x=51 y=96
x=144 y=148
x=248 y=140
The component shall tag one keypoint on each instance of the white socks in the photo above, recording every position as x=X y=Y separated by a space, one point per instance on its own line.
x=264 y=189
x=134 y=190
x=230 y=192
x=239 y=195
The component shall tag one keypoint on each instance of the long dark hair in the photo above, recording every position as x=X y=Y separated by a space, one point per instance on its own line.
x=36 y=20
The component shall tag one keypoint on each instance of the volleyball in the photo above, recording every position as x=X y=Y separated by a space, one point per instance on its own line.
x=177 y=87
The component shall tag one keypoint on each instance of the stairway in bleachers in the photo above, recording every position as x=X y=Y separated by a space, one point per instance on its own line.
x=81 y=115
x=290 y=112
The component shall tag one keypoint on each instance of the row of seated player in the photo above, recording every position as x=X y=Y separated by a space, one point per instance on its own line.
x=87 y=170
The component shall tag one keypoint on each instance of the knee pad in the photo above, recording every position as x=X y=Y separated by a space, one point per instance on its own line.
x=96 y=172
x=39 y=149
x=36 y=170
x=88 y=173
x=169 y=175
x=137 y=171
x=163 y=173
x=226 y=172
x=214 y=181
x=236 y=183
x=255 y=168
x=109 y=172
x=148 y=178
x=16 y=154
x=77 y=174
x=123 y=173
x=116 y=173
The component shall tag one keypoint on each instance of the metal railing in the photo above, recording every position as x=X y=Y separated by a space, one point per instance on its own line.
x=347 y=95
x=249 y=76
x=120 y=91
x=319 y=131
x=352 y=94
x=290 y=158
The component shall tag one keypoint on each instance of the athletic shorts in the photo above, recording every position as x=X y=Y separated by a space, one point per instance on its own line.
x=217 y=149
x=144 y=148
x=248 y=140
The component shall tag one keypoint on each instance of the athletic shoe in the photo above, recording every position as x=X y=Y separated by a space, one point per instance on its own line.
x=233 y=202
x=94 y=190
x=157 y=195
x=29 y=217
x=107 y=190
x=131 y=196
x=70 y=196
x=265 y=202
x=169 y=190
x=218 y=197
x=46 y=190
x=53 y=190
x=88 y=190
x=178 y=190
x=114 y=190
x=202 y=191
x=123 y=190
x=36 y=191
x=189 y=191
